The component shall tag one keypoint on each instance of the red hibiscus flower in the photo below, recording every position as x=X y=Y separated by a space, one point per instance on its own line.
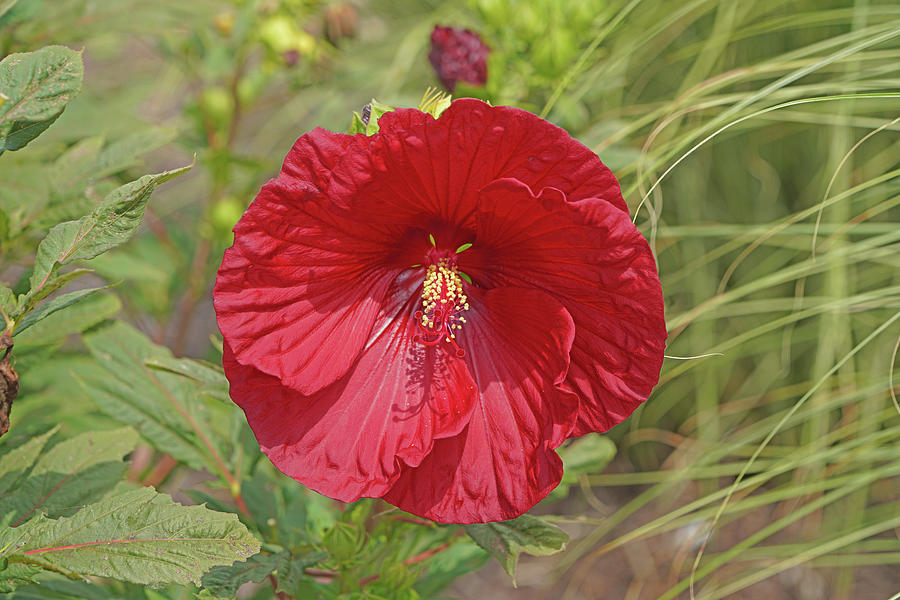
x=458 y=55
x=425 y=314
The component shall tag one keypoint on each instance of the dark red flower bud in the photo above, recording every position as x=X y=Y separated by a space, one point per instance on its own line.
x=458 y=55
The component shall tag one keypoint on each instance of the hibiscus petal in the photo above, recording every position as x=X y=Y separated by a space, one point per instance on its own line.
x=298 y=293
x=347 y=441
x=517 y=343
x=436 y=167
x=595 y=262
x=315 y=155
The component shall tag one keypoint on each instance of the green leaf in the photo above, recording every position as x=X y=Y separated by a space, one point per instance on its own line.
x=28 y=301
x=61 y=589
x=8 y=305
x=200 y=371
x=4 y=228
x=163 y=406
x=225 y=581
x=51 y=306
x=139 y=536
x=15 y=574
x=291 y=575
x=113 y=222
x=74 y=318
x=463 y=557
x=37 y=85
x=17 y=461
x=506 y=540
x=587 y=454
x=71 y=474
x=6 y=5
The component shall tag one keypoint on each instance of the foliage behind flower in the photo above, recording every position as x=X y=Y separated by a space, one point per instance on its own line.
x=425 y=314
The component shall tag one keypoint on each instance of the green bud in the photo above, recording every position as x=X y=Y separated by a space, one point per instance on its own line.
x=225 y=213
x=344 y=542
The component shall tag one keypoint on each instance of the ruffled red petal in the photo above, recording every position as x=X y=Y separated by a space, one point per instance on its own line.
x=517 y=344
x=592 y=259
x=297 y=294
x=436 y=167
x=348 y=440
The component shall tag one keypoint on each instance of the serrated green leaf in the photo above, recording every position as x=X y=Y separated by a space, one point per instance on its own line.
x=291 y=571
x=200 y=371
x=17 y=461
x=71 y=474
x=506 y=540
x=225 y=581
x=16 y=574
x=51 y=306
x=163 y=406
x=28 y=301
x=75 y=318
x=139 y=536
x=37 y=85
x=60 y=589
x=113 y=222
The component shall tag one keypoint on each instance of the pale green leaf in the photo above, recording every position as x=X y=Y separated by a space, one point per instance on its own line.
x=461 y=558
x=71 y=474
x=4 y=228
x=75 y=165
x=6 y=5
x=585 y=455
x=113 y=222
x=8 y=306
x=506 y=540
x=17 y=461
x=139 y=536
x=37 y=85
x=51 y=306
x=163 y=406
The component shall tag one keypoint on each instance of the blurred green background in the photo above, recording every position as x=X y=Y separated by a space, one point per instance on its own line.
x=756 y=144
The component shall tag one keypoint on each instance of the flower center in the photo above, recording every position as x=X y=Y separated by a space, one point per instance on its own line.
x=443 y=301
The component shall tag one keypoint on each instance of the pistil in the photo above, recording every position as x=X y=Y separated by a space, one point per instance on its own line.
x=443 y=301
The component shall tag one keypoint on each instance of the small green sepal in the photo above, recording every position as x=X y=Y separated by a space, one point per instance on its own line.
x=434 y=102
x=367 y=121
x=464 y=247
